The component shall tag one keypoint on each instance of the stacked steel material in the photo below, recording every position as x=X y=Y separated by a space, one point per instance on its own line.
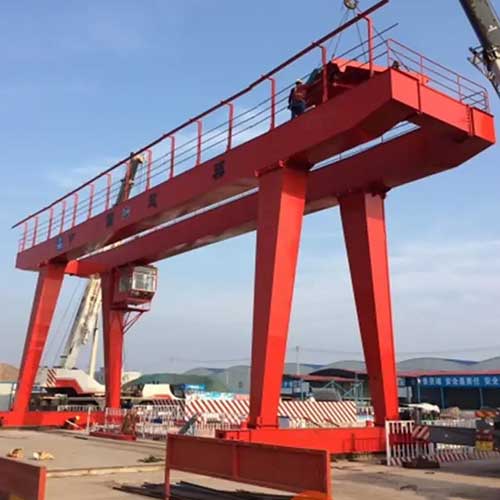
x=189 y=491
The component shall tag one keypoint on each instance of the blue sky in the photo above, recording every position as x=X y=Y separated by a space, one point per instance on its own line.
x=85 y=83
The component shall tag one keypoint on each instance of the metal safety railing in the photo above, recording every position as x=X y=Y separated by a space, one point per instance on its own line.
x=188 y=145
x=230 y=124
x=437 y=76
x=154 y=423
x=407 y=441
x=468 y=423
x=78 y=408
x=400 y=444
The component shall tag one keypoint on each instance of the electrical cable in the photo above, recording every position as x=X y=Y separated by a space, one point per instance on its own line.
x=339 y=38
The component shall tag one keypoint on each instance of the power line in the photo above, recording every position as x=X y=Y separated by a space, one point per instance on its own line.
x=343 y=352
x=428 y=352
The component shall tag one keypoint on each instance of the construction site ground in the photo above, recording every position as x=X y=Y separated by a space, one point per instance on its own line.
x=88 y=468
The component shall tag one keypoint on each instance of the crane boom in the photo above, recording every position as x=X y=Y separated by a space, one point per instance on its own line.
x=486 y=24
x=85 y=323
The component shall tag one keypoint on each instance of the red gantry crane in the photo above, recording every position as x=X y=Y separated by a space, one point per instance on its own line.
x=379 y=116
x=65 y=377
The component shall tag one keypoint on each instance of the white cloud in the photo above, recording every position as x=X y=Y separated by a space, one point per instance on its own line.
x=70 y=177
x=445 y=297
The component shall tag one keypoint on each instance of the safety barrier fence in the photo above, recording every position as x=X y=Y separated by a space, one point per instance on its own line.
x=78 y=408
x=364 y=411
x=114 y=419
x=468 y=423
x=155 y=422
x=319 y=413
x=407 y=441
x=400 y=444
x=235 y=121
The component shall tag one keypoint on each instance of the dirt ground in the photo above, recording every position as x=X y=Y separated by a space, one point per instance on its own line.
x=111 y=463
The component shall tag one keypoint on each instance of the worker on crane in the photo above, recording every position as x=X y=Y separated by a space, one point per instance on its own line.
x=297 y=99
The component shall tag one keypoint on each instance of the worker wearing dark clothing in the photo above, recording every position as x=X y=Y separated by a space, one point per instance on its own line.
x=297 y=99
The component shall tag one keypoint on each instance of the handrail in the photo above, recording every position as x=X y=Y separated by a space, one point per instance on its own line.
x=95 y=196
x=112 y=189
x=426 y=67
x=222 y=103
x=396 y=42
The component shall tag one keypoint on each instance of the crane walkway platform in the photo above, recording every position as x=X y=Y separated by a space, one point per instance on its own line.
x=355 y=108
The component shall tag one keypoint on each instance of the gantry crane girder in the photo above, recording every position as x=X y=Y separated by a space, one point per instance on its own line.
x=278 y=165
x=364 y=113
x=414 y=155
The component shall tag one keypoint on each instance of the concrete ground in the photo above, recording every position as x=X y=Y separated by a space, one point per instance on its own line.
x=351 y=480
x=73 y=451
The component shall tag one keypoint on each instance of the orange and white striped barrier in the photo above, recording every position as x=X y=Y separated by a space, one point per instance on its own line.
x=322 y=413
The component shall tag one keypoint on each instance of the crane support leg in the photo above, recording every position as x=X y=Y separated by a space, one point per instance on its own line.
x=281 y=201
x=113 y=332
x=50 y=279
x=363 y=220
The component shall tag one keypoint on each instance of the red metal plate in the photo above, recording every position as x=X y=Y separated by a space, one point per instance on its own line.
x=24 y=481
x=278 y=467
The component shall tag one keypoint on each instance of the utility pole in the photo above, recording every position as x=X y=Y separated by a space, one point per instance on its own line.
x=297 y=360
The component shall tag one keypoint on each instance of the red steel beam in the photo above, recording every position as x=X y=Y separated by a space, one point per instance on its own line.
x=363 y=220
x=402 y=160
x=336 y=441
x=281 y=202
x=48 y=418
x=367 y=111
x=113 y=334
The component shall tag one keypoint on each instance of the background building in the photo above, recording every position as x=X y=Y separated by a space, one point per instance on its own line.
x=445 y=382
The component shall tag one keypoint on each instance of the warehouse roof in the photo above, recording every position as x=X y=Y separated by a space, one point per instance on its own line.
x=430 y=373
x=210 y=383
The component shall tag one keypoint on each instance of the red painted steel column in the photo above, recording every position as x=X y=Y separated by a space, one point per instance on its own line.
x=49 y=284
x=113 y=333
x=281 y=202
x=363 y=220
